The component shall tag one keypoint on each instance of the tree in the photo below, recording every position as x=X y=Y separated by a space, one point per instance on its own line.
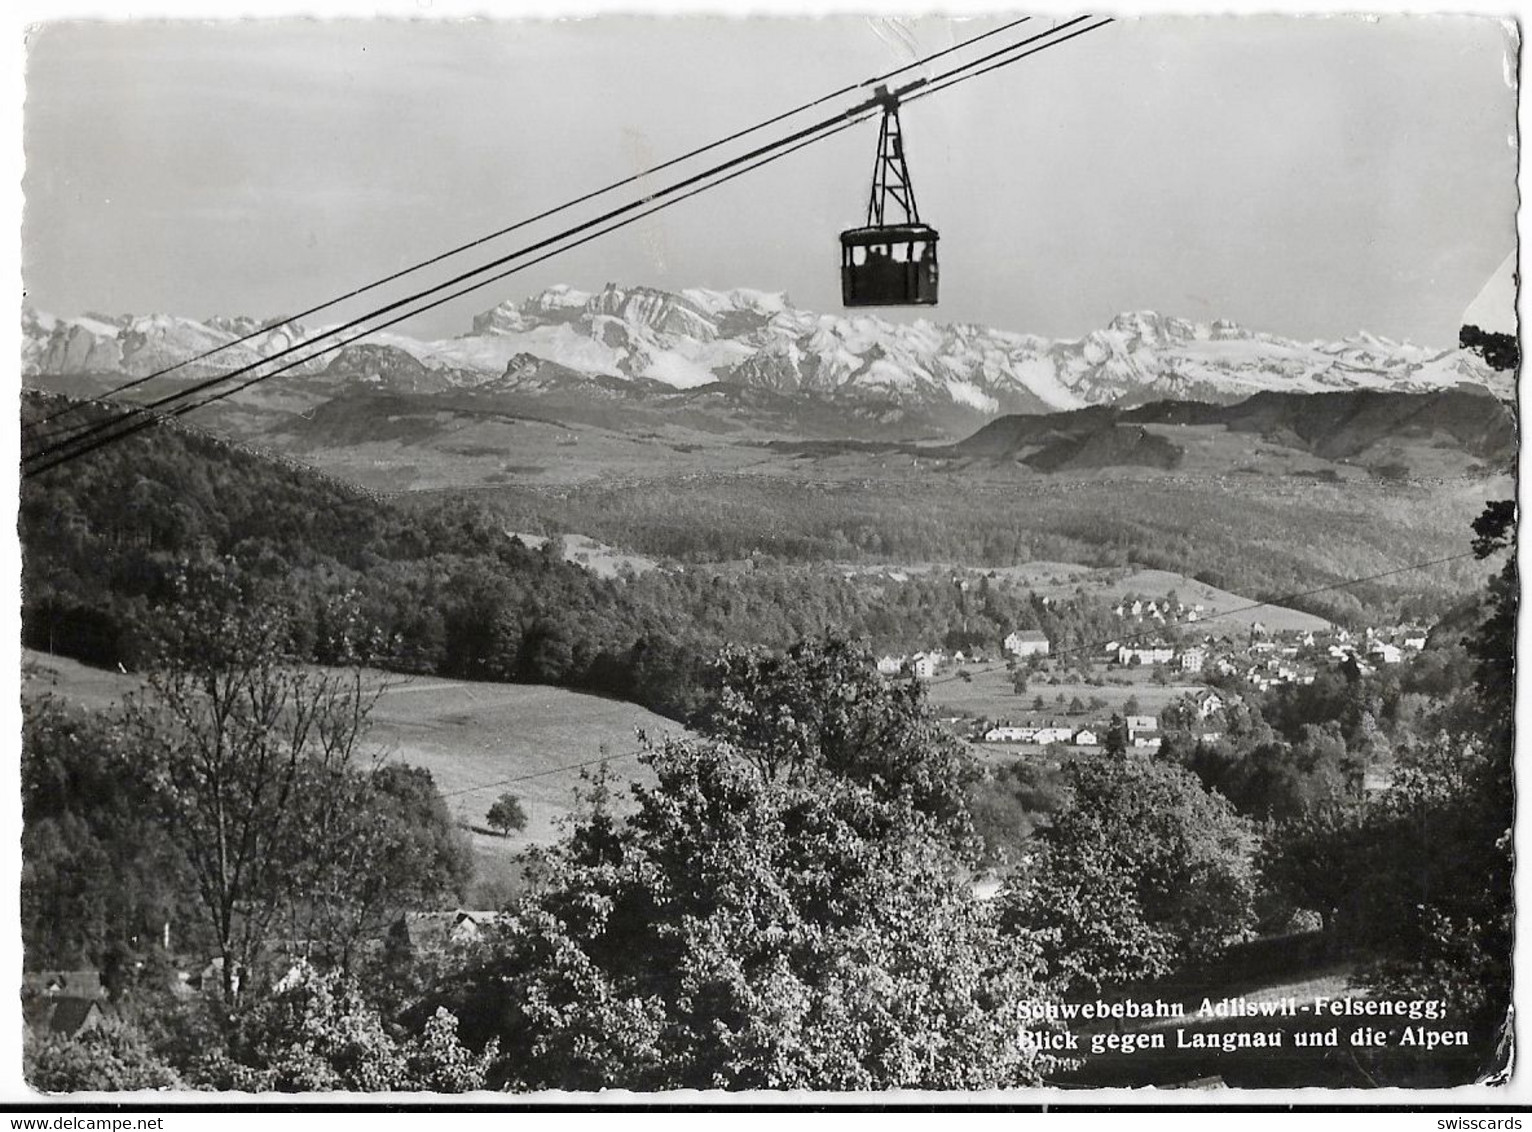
x=821 y=707
x=107 y=1059
x=249 y=756
x=1115 y=746
x=100 y=876
x=1143 y=873
x=316 y=1032
x=395 y=848
x=506 y=815
x=744 y=929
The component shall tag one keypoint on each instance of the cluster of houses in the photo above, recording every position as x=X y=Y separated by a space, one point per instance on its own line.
x=924 y=665
x=1264 y=659
x=1166 y=610
x=1143 y=733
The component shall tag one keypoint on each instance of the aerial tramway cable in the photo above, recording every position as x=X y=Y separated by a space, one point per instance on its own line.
x=101 y=434
x=481 y=240
x=149 y=417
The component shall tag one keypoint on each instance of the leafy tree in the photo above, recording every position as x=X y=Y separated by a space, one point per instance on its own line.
x=1142 y=873
x=107 y=1059
x=821 y=708
x=751 y=929
x=394 y=848
x=248 y=756
x=1115 y=745
x=1499 y=350
x=316 y=1032
x=100 y=877
x=507 y=815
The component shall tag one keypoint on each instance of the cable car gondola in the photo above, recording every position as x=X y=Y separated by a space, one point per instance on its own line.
x=886 y=264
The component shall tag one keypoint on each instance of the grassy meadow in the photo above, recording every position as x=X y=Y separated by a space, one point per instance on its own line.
x=470 y=736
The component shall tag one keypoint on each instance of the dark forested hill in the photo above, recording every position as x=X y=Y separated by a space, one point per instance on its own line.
x=105 y=539
x=1331 y=426
x=440 y=589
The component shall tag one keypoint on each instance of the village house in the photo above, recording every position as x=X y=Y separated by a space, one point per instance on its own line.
x=890 y=665
x=1027 y=642
x=1138 y=723
x=1085 y=737
x=424 y=932
x=1046 y=735
x=1208 y=703
x=923 y=665
x=1154 y=653
x=64 y=1003
x=1192 y=660
x=1009 y=734
x=1385 y=652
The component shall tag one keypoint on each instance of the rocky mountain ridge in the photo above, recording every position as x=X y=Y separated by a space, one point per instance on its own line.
x=659 y=340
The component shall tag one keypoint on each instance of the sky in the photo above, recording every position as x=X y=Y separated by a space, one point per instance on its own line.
x=1306 y=176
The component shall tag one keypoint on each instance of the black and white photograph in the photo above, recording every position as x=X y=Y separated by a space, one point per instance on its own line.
x=767 y=555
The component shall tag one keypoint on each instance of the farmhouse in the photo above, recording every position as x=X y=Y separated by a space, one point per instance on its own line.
x=890 y=665
x=923 y=665
x=1086 y=738
x=1137 y=723
x=1027 y=642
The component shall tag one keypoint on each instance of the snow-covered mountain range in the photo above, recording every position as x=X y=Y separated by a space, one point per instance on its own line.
x=656 y=339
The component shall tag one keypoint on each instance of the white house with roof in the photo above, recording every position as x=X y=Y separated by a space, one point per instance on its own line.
x=1046 y=735
x=1208 y=702
x=1154 y=653
x=1008 y=734
x=890 y=665
x=1027 y=642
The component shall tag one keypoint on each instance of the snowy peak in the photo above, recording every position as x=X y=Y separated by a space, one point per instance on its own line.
x=138 y=345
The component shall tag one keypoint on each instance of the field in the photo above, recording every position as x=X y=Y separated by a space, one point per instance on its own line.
x=989 y=694
x=1157 y=583
x=469 y=736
